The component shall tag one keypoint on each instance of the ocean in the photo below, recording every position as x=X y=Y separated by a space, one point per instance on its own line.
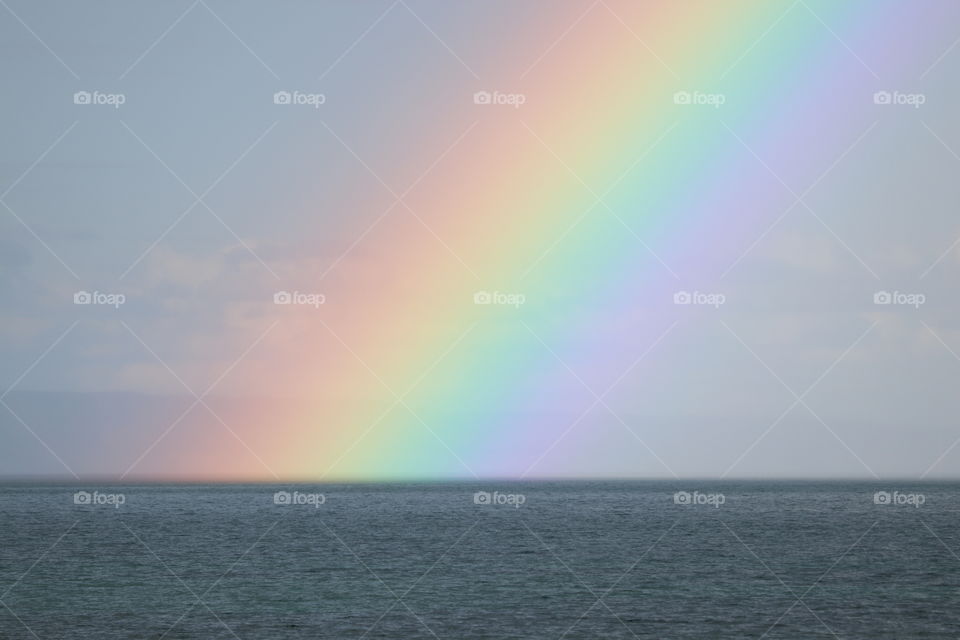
x=604 y=559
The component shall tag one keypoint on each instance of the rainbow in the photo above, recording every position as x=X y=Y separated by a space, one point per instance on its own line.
x=595 y=200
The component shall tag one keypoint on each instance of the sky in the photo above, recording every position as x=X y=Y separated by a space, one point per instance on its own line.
x=422 y=239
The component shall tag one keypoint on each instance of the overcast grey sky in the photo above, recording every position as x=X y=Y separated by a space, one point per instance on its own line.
x=799 y=373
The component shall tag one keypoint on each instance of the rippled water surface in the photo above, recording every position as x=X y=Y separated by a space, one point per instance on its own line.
x=533 y=560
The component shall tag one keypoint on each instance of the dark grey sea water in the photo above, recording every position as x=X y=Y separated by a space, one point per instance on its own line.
x=574 y=560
